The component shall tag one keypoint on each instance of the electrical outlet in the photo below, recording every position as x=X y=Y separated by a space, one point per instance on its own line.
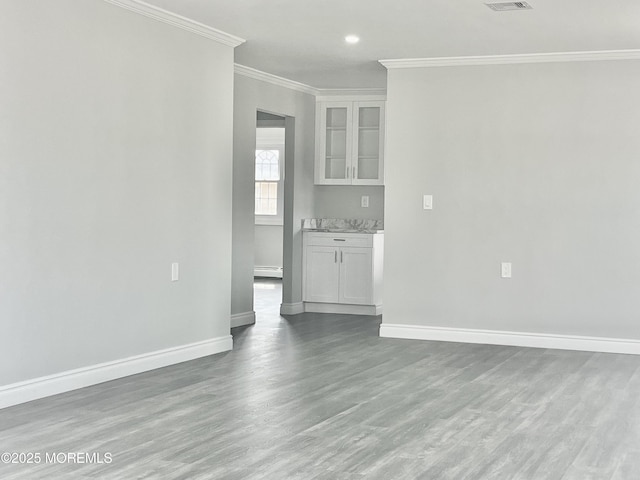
x=175 y=272
x=364 y=201
x=505 y=269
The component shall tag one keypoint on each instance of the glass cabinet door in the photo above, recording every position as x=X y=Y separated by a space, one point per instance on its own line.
x=336 y=147
x=349 y=143
x=368 y=143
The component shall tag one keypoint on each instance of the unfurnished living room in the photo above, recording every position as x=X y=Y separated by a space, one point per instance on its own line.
x=319 y=240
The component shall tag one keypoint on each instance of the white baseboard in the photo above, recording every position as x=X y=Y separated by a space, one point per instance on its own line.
x=241 y=319
x=291 y=308
x=41 y=387
x=314 y=307
x=518 y=339
x=341 y=308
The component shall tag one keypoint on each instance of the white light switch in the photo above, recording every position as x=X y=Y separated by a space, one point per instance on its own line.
x=364 y=201
x=505 y=269
x=175 y=272
x=427 y=202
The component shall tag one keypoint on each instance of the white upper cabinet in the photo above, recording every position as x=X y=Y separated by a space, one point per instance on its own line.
x=349 y=143
x=368 y=143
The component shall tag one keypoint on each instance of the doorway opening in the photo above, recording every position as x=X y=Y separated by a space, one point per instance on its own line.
x=269 y=213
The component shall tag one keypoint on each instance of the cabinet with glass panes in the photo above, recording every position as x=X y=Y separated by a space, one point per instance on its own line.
x=350 y=143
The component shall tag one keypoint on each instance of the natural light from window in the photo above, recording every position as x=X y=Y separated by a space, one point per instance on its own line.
x=267 y=178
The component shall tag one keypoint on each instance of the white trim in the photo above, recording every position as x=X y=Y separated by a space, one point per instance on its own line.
x=291 y=308
x=274 y=79
x=510 y=59
x=357 y=96
x=179 y=21
x=337 y=94
x=41 y=387
x=241 y=319
x=340 y=93
x=518 y=339
x=342 y=308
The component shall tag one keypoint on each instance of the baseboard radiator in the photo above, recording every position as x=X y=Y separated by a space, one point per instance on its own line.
x=271 y=272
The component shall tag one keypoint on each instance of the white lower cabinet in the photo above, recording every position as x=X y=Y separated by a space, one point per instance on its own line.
x=343 y=272
x=356 y=270
x=322 y=272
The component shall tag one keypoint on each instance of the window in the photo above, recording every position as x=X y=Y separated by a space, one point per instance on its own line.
x=269 y=176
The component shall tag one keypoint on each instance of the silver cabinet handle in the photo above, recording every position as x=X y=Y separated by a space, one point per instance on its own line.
x=339 y=239
x=335 y=257
x=354 y=173
x=341 y=256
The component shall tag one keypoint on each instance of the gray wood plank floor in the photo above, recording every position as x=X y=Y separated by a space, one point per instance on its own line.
x=316 y=397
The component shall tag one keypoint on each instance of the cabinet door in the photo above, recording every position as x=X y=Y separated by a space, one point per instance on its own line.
x=368 y=143
x=334 y=143
x=322 y=271
x=356 y=275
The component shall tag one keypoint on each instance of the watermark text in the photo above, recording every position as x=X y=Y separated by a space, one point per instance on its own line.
x=35 y=458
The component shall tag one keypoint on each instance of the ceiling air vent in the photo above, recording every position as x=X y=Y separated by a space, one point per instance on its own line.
x=504 y=6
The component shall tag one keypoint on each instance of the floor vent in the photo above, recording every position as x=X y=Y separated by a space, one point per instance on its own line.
x=504 y=6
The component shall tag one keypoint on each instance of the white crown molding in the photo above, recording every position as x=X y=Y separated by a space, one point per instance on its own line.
x=274 y=79
x=304 y=88
x=178 y=21
x=518 y=339
x=511 y=59
x=41 y=387
x=355 y=95
x=352 y=92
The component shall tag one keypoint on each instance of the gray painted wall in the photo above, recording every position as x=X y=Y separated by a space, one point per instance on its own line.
x=268 y=245
x=114 y=163
x=533 y=164
x=339 y=201
x=251 y=95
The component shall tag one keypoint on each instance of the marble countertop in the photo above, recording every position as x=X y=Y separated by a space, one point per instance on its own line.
x=341 y=230
x=340 y=225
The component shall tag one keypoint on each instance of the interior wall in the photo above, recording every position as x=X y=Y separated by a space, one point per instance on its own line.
x=534 y=164
x=341 y=201
x=268 y=246
x=251 y=95
x=115 y=161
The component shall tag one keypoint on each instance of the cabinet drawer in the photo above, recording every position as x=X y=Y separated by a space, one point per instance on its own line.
x=339 y=239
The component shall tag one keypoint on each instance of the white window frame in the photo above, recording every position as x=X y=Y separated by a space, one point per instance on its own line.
x=269 y=139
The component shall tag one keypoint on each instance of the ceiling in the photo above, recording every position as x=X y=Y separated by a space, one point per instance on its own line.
x=303 y=40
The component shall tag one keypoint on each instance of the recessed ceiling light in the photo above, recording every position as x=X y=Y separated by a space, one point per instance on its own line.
x=352 y=39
